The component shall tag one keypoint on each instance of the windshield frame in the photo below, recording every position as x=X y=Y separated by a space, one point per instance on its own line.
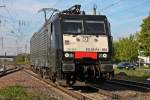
x=83 y=21
x=72 y=21
x=94 y=22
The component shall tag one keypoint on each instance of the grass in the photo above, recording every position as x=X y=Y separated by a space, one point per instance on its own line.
x=135 y=75
x=143 y=67
x=17 y=93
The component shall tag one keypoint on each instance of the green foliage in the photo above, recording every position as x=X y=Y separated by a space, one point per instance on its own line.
x=144 y=36
x=22 y=58
x=126 y=49
x=16 y=93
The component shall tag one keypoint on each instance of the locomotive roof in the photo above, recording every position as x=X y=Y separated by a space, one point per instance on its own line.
x=88 y=17
x=73 y=17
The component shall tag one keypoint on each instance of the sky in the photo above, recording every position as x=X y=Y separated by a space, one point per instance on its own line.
x=19 y=19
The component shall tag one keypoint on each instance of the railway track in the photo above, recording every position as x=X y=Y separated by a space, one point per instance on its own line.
x=119 y=85
x=132 y=84
x=73 y=94
x=109 y=94
x=10 y=70
x=100 y=92
x=94 y=95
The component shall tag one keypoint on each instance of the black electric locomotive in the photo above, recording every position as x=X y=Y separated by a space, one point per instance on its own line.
x=73 y=46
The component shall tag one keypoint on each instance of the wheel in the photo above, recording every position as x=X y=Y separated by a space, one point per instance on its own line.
x=70 y=80
x=41 y=73
x=53 y=78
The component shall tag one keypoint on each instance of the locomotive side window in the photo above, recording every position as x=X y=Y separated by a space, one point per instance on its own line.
x=95 y=27
x=51 y=28
x=72 y=26
x=51 y=34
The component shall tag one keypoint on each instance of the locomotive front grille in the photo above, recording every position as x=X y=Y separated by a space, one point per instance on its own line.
x=68 y=67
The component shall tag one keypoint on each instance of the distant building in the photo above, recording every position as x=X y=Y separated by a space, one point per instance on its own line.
x=6 y=59
x=145 y=60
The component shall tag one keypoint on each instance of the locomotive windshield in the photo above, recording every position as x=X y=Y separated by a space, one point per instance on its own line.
x=94 y=27
x=80 y=26
x=72 y=26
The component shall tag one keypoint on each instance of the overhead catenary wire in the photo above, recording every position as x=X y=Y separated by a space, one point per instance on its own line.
x=131 y=7
x=12 y=21
x=55 y=5
x=134 y=16
x=16 y=23
x=111 y=5
x=17 y=28
x=2 y=6
x=12 y=24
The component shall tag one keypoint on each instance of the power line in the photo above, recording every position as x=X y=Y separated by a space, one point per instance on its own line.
x=111 y=5
x=135 y=16
x=2 y=6
x=17 y=28
x=14 y=20
x=130 y=8
x=57 y=2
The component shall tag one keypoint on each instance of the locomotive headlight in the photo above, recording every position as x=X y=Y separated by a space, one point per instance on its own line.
x=69 y=55
x=104 y=55
x=66 y=55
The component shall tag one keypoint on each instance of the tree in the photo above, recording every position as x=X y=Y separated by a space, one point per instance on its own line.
x=126 y=49
x=115 y=51
x=144 y=36
x=22 y=58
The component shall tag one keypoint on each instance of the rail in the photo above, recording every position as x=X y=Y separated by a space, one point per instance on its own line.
x=108 y=93
x=113 y=95
x=138 y=85
x=9 y=71
x=75 y=95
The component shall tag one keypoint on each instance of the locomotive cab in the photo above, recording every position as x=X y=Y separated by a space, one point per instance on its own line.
x=87 y=44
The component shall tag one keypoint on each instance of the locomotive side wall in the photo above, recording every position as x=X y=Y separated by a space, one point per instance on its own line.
x=39 y=48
